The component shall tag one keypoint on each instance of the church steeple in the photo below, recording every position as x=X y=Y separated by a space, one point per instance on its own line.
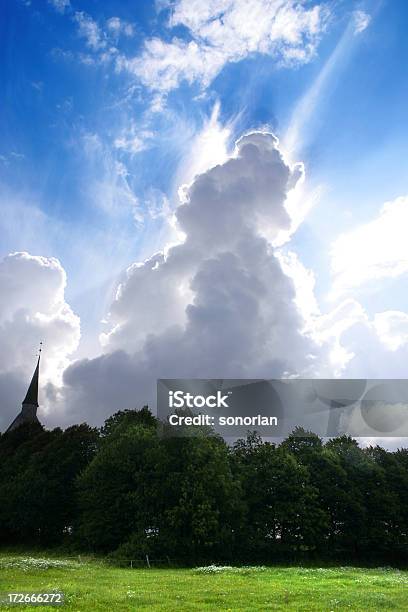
x=28 y=412
x=32 y=393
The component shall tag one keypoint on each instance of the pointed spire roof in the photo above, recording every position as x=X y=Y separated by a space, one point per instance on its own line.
x=32 y=393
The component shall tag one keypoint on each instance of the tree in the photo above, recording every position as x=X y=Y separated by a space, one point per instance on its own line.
x=122 y=419
x=201 y=499
x=282 y=513
x=17 y=449
x=393 y=522
x=145 y=493
x=117 y=491
x=329 y=479
x=369 y=509
x=37 y=486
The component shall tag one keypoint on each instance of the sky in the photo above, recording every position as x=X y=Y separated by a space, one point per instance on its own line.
x=199 y=189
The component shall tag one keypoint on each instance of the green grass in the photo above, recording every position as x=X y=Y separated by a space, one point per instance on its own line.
x=94 y=586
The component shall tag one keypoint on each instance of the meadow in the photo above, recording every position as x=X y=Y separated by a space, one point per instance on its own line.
x=94 y=585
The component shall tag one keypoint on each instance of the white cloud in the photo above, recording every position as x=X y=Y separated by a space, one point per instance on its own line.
x=373 y=251
x=361 y=21
x=214 y=219
x=118 y=26
x=101 y=40
x=157 y=103
x=37 y=85
x=217 y=304
x=330 y=328
x=60 y=5
x=157 y=204
x=378 y=347
x=90 y=31
x=304 y=283
x=365 y=346
x=32 y=309
x=225 y=31
x=392 y=328
x=110 y=189
x=133 y=144
x=208 y=148
x=133 y=139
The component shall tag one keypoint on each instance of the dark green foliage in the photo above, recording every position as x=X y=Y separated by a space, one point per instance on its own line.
x=282 y=510
x=131 y=489
x=118 y=489
x=38 y=502
x=124 y=418
x=201 y=500
x=164 y=496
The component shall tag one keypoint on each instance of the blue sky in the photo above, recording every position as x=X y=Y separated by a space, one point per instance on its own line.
x=108 y=107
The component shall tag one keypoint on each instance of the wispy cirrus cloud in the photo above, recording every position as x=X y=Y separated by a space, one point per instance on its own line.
x=89 y=30
x=361 y=21
x=226 y=31
x=133 y=139
x=60 y=5
x=118 y=26
x=101 y=39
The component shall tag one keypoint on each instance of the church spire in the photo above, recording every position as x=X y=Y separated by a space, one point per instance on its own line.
x=28 y=414
x=32 y=393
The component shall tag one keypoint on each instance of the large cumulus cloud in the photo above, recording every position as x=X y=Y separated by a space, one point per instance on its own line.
x=32 y=309
x=217 y=304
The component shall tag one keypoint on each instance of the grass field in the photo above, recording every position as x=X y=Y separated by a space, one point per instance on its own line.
x=95 y=586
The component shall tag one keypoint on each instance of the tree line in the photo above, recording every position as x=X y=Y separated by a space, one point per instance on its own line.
x=130 y=488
